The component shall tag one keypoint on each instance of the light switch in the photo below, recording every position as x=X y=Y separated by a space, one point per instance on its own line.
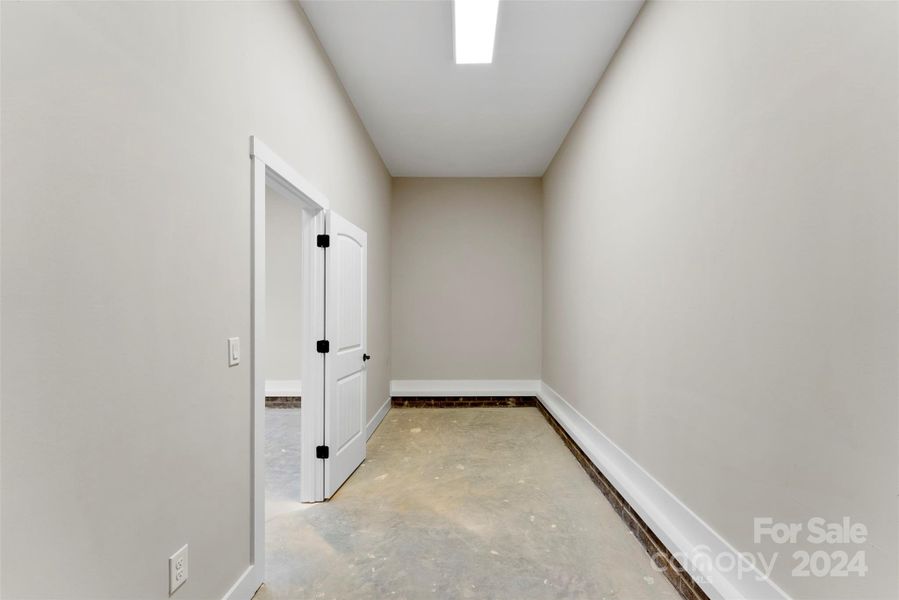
x=233 y=351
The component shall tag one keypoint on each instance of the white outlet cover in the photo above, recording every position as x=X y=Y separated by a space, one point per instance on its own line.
x=178 y=565
x=233 y=351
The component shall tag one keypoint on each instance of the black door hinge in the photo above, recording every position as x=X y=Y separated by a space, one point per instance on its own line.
x=321 y=452
x=323 y=346
x=323 y=240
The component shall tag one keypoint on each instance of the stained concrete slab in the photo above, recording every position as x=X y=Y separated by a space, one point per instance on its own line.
x=461 y=503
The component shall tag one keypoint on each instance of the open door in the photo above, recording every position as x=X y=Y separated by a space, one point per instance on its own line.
x=345 y=325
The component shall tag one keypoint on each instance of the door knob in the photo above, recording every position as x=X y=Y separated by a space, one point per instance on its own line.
x=366 y=357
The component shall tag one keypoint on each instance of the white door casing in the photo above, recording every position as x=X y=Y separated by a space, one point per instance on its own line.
x=334 y=384
x=269 y=169
x=345 y=372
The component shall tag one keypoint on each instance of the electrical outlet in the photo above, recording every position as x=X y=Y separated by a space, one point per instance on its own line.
x=233 y=351
x=177 y=569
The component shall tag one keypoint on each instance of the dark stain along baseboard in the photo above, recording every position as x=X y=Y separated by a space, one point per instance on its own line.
x=282 y=401
x=679 y=577
x=462 y=401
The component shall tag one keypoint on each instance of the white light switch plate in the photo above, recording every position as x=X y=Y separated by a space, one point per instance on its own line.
x=233 y=351
x=177 y=569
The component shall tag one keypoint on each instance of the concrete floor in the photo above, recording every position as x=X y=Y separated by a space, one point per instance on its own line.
x=282 y=461
x=460 y=503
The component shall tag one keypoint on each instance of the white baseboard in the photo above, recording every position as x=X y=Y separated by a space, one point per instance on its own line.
x=683 y=532
x=376 y=420
x=246 y=585
x=283 y=387
x=464 y=387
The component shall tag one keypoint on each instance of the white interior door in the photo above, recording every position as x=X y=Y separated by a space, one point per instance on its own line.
x=345 y=329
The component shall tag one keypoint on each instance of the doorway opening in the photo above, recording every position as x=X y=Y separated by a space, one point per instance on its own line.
x=332 y=287
x=283 y=368
x=270 y=173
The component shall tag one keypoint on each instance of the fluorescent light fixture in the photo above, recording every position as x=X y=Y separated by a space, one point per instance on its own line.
x=475 y=29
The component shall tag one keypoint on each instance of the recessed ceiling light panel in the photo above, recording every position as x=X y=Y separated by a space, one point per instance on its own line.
x=474 y=24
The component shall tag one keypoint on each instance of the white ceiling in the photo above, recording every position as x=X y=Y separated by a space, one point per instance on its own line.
x=430 y=117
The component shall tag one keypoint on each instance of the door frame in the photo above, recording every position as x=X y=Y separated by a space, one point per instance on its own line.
x=268 y=169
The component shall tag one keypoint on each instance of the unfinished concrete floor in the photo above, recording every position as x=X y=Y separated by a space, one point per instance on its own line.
x=460 y=503
x=282 y=461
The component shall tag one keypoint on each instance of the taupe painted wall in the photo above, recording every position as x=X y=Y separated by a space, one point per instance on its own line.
x=720 y=255
x=283 y=287
x=126 y=265
x=466 y=297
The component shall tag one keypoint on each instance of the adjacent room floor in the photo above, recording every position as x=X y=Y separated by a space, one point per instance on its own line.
x=282 y=461
x=459 y=503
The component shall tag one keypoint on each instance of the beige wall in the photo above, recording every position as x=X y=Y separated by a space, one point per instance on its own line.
x=720 y=253
x=719 y=294
x=126 y=265
x=466 y=259
x=283 y=287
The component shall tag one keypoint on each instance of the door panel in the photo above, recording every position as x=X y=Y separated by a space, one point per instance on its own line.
x=348 y=393
x=350 y=254
x=345 y=375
